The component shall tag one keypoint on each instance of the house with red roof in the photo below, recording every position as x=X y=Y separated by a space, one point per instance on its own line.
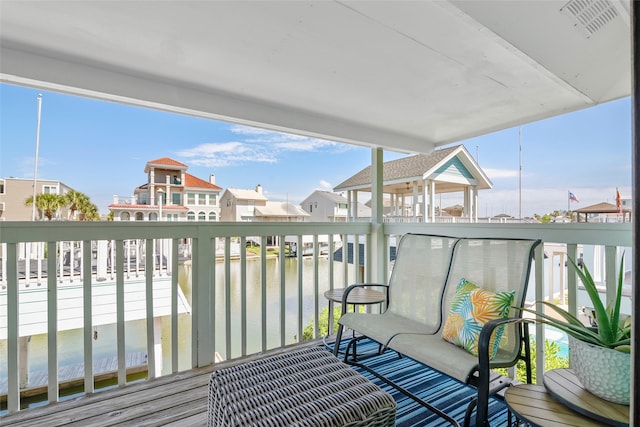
x=170 y=194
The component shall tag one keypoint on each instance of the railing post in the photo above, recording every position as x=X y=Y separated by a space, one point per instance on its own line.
x=539 y=285
x=202 y=345
x=52 y=323
x=13 y=367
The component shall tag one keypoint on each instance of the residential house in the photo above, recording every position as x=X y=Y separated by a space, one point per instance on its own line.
x=170 y=194
x=240 y=205
x=15 y=191
x=412 y=183
x=325 y=206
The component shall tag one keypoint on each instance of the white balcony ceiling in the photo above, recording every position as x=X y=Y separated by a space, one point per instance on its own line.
x=406 y=76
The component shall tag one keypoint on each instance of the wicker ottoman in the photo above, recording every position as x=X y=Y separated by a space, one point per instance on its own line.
x=308 y=387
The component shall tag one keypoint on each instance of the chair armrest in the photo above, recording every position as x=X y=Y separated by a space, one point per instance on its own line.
x=484 y=361
x=485 y=336
x=361 y=285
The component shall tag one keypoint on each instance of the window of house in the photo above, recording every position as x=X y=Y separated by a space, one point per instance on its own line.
x=50 y=189
x=310 y=207
x=212 y=199
x=173 y=217
x=153 y=216
x=2 y=186
x=176 y=198
x=202 y=216
x=202 y=199
x=143 y=198
x=342 y=205
x=191 y=216
x=139 y=216
x=191 y=198
x=212 y=216
x=125 y=216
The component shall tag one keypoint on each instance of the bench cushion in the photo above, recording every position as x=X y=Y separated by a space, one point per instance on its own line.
x=383 y=327
x=441 y=355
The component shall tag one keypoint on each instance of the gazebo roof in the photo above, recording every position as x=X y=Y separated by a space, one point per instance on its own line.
x=452 y=168
x=602 y=207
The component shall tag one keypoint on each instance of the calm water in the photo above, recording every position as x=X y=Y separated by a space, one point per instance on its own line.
x=70 y=342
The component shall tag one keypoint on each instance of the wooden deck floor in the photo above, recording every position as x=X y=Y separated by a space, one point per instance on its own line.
x=177 y=400
x=181 y=399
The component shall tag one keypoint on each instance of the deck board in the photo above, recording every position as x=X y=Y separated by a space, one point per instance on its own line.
x=178 y=400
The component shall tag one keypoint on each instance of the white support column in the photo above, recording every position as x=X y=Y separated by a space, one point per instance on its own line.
x=152 y=186
x=157 y=345
x=475 y=203
x=414 y=204
x=349 y=206
x=466 y=209
x=378 y=251
x=432 y=200
x=425 y=192
x=355 y=204
x=167 y=185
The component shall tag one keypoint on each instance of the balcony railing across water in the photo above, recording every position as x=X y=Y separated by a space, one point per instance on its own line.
x=218 y=270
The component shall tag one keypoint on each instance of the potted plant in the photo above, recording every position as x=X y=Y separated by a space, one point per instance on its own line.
x=599 y=354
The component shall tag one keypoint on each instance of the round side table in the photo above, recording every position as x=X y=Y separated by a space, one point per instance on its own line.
x=357 y=297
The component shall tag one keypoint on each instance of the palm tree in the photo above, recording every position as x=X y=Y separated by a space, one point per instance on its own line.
x=47 y=204
x=75 y=199
x=89 y=211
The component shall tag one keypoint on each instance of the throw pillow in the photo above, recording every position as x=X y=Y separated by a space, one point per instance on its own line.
x=472 y=307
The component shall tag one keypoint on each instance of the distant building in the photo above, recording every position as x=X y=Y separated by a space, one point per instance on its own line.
x=170 y=194
x=15 y=191
x=604 y=212
x=240 y=205
x=412 y=183
x=325 y=206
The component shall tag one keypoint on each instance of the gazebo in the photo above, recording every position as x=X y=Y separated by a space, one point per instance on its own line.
x=612 y=212
x=412 y=183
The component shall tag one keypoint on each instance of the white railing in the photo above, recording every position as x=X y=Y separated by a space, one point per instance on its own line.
x=213 y=297
x=234 y=303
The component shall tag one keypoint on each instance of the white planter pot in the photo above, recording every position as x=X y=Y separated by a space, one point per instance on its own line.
x=602 y=371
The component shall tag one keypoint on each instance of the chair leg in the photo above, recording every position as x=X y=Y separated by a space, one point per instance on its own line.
x=336 y=345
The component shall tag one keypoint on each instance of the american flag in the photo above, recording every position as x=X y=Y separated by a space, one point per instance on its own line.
x=573 y=197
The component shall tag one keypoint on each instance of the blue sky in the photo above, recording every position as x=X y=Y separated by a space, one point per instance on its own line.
x=101 y=148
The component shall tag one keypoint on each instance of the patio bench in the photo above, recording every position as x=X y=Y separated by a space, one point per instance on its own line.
x=452 y=304
x=307 y=387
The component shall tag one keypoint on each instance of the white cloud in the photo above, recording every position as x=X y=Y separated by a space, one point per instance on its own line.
x=500 y=173
x=325 y=185
x=254 y=146
x=226 y=154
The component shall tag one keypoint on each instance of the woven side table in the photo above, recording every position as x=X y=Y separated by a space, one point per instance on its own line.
x=308 y=387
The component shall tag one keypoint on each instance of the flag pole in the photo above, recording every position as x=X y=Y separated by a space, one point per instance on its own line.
x=35 y=171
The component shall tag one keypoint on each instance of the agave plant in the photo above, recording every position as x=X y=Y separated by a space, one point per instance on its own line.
x=611 y=330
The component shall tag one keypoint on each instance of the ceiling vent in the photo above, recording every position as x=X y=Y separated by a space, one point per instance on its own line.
x=590 y=16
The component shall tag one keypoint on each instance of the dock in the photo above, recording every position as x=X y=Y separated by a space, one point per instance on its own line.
x=70 y=376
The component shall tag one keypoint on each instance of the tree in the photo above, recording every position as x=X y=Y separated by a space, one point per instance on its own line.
x=75 y=199
x=48 y=204
x=89 y=212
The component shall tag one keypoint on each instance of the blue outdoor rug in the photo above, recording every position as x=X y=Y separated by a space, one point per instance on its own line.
x=447 y=394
